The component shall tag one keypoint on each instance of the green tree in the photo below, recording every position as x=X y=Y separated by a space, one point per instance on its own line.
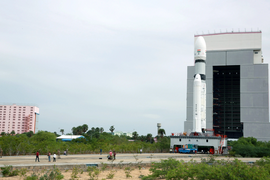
x=112 y=129
x=74 y=131
x=62 y=131
x=12 y=133
x=3 y=133
x=80 y=130
x=101 y=130
x=41 y=140
x=84 y=128
x=29 y=134
x=161 y=132
x=164 y=144
x=149 y=137
x=135 y=135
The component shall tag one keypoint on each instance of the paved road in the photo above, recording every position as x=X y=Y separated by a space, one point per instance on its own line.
x=98 y=159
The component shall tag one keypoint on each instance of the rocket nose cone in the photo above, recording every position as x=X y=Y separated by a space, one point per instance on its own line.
x=200 y=42
x=200 y=48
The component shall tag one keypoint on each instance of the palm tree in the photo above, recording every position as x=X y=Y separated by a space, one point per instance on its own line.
x=80 y=130
x=62 y=131
x=149 y=137
x=112 y=129
x=101 y=130
x=161 y=132
x=74 y=131
x=135 y=135
x=12 y=132
x=84 y=128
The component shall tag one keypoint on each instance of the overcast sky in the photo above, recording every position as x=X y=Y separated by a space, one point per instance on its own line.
x=103 y=63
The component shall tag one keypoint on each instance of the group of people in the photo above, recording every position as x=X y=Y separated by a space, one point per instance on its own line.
x=49 y=156
x=112 y=155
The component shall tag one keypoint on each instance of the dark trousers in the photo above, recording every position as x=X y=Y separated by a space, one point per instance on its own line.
x=37 y=158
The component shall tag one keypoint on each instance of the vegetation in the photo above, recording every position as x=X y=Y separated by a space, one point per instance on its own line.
x=250 y=147
x=161 y=132
x=172 y=169
x=93 y=172
x=95 y=139
x=8 y=171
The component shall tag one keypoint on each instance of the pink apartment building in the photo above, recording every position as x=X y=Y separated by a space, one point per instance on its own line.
x=18 y=118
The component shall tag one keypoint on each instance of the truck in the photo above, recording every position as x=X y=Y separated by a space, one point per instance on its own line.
x=188 y=148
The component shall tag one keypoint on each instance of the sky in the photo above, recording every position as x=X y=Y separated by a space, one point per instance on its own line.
x=111 y=62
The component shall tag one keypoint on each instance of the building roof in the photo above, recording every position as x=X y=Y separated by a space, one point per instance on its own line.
x=69 y=137
x=232 y=40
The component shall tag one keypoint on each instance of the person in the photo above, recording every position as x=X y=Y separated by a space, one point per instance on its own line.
x=37 y=156
x=141 y=151
x=65 y=152
x=100 y=151
x=49 y=156
x=54 y=157
x=114 y=154
x=110 y=155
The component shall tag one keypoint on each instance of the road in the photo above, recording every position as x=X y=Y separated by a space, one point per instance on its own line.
x=98 y=159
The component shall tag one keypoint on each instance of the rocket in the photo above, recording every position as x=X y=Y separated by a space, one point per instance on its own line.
x=199 y=86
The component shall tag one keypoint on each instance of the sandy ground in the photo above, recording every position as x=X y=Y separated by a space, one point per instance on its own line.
x=119 y=174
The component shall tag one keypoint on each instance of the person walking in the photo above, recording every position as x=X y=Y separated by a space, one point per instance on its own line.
x=49 y=156
x=37 y=156
x=54 y=157
x=114 y=154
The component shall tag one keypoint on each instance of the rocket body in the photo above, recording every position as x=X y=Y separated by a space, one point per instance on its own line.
x=199 y=100
x=197 y=85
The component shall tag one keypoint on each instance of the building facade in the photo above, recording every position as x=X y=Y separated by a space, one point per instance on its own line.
x=19 y=119
x=237 y=93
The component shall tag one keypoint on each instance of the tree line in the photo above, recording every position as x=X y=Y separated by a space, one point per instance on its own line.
x=95 y=139
x=250 y=147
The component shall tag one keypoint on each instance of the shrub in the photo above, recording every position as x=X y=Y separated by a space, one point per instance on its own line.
x=222 y=170
x=7 y=171
x=93 y=172
x=110 y=175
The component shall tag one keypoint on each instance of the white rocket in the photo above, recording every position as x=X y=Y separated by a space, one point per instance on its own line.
x=199 y=86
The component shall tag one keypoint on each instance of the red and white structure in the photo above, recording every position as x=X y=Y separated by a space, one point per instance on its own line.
x=18 y=118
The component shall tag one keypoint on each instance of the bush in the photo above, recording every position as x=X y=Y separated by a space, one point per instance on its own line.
x=7 y=171
x=172 y=169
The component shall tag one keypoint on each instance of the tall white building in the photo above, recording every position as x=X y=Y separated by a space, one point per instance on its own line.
x=237 y=94
x=17 y=118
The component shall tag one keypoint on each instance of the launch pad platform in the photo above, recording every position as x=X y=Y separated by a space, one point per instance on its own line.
x=204 y=143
